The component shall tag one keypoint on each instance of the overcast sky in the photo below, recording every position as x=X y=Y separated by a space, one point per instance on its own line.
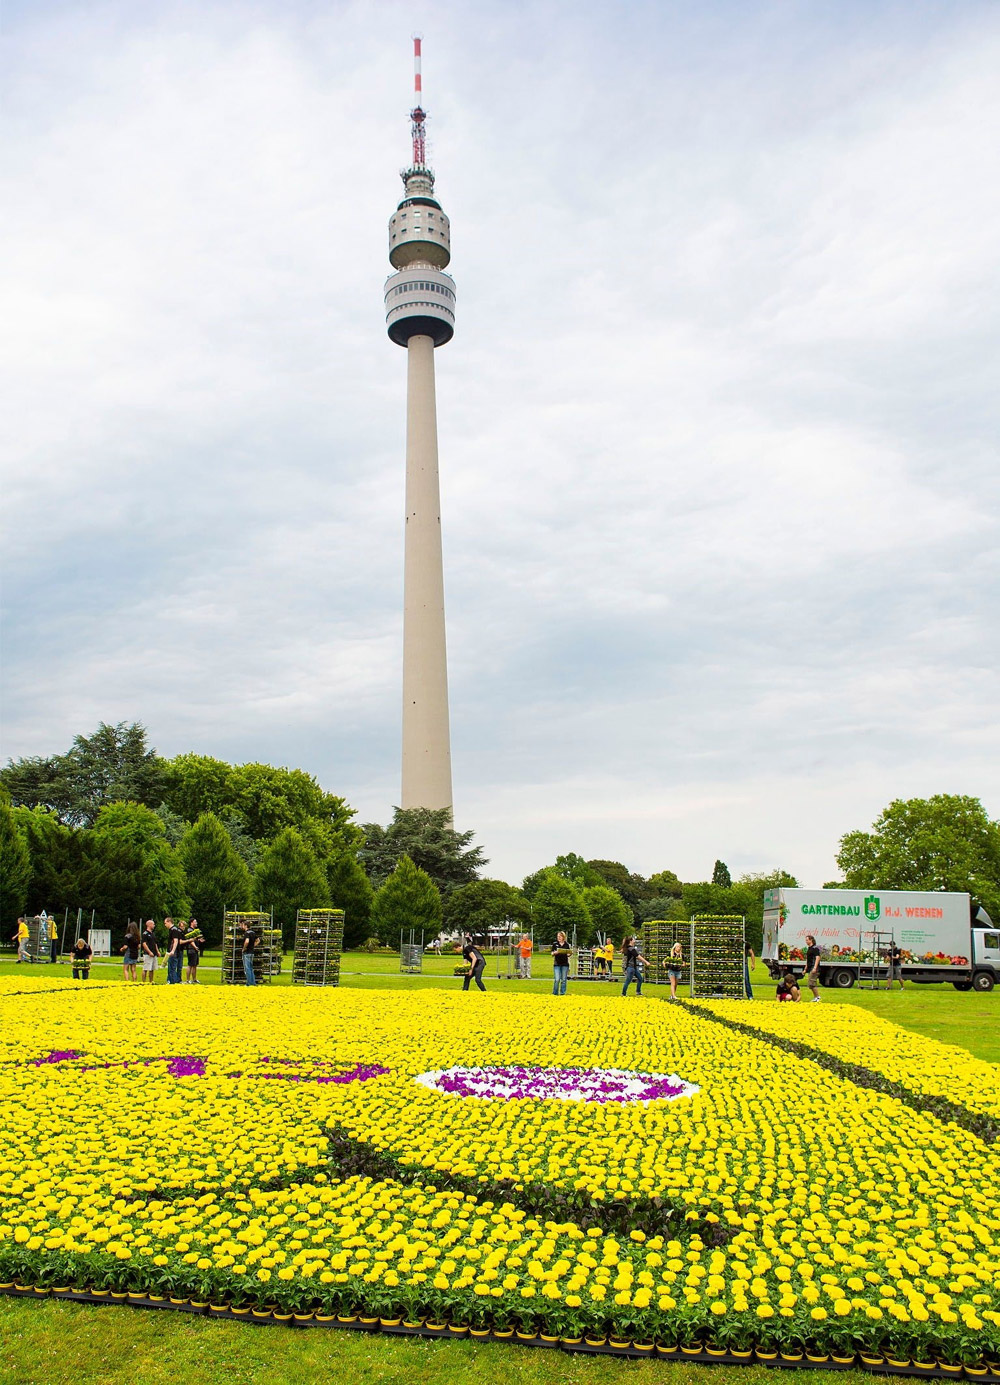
x=718 y=427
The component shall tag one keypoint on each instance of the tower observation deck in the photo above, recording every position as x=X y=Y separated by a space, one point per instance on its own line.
x=420 y=315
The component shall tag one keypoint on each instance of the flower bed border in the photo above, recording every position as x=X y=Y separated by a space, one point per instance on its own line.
x=574 y=1346
x=986 y=1128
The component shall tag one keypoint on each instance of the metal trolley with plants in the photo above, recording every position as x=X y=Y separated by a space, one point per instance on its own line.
x=319 y=941
x=267 y=954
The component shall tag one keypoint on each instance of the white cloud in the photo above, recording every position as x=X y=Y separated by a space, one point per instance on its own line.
x=718 y=425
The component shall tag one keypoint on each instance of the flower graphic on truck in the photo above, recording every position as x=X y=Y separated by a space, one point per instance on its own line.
x=871 y=907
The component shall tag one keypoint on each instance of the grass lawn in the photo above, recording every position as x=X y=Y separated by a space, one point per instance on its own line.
x=968 y=1019
x=84 y=1344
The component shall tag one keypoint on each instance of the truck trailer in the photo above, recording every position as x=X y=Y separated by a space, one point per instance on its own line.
x=942 y=936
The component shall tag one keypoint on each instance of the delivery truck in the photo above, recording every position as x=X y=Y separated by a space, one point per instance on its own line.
x=942 y=936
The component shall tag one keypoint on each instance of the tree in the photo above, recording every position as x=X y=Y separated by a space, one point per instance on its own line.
x=946 y=842
x=217 y=877
x=129 y=869
x=113 y=765
x=608 y=912
x=15 y=871
x=484 y=904
x=721 y=876
x=408 y=899
x=350 y=890
x=55 y=860
x=427 y=836
x=263 y=799
x=558 y=906
x=662 y=906
x=288 y=878
x=665 y=883
x=632 y=888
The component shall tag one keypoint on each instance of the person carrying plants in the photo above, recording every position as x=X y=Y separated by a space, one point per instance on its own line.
x=633 y=961
x=81 y=957
x=524 y=950
x=674 y=964
x=476 y=961
x=813 y=953
x=560 y=964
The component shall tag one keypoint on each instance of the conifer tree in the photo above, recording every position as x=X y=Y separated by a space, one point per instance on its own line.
x=288 y=878
x=217 y=877
x=408 y=899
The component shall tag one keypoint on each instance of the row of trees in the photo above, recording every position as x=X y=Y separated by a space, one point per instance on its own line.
x=111 y=826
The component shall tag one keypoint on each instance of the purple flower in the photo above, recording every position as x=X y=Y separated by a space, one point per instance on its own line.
x=557 y=1084
x=58 y=1055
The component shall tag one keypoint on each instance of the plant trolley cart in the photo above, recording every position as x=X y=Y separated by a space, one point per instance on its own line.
x=319 y=940
x=267 y=958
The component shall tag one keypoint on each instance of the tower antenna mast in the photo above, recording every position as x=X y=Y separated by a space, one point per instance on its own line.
x=418 y=115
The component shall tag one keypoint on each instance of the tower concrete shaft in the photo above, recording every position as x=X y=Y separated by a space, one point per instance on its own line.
x=426 y=732
x=420 y=315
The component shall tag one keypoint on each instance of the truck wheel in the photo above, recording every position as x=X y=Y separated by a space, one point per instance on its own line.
x=982 y=981
x=963 y=985
x=842 y=979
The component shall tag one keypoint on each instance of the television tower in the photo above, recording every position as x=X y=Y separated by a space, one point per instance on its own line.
x=420 y=315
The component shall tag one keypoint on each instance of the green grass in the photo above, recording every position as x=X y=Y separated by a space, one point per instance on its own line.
x=87 y=1344
x=967 y=1019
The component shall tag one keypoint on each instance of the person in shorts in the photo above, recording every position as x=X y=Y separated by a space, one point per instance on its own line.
x=194 y=944
x=674 y=964
x=896 y=965
x=150 y=952
x=131 y=949
x=21 y=936
x=813 y=954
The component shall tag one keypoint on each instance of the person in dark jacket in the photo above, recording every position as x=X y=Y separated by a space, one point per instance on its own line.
x=633 y=962
x=560 y=964
x=81 y=954
x=476 y=961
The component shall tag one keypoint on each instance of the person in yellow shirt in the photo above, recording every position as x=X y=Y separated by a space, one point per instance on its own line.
x=53 y=941
x=609 y=959
x=21 y=938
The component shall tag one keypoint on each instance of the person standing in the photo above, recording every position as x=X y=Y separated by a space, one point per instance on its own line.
x=175 y=955
x=633 y=962
x=674 y=964
x=599 y=963
x=813 y=954
x=81 y=955
x=895 y=965
x=560 y=964
x=249 y=948
x=131 y=949
x=53 y=940
x=609 y=959
x=524 y=950
x=193 y=946
x=749 y=962
x=150 y=952
x=476 y=961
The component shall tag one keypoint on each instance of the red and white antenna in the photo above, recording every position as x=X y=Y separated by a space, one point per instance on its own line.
x=418 y=114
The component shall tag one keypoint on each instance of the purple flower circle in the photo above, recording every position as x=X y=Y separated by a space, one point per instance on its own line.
x=517 y=1083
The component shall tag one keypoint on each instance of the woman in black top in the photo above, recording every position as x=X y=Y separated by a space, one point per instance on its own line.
x=476 y=961
x=193 y=944
x=560 y=964
x=81 y=955
x=813 y=954
x=131 y=950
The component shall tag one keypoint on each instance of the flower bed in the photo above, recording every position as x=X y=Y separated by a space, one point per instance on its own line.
x=848 y=1032
x=807 y=1213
